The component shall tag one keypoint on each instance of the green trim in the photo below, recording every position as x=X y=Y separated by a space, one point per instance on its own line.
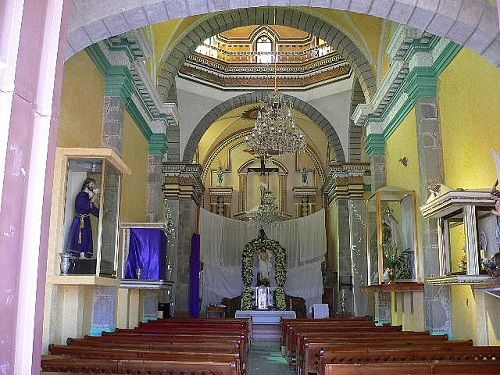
x=446 y=57
x=421 y=82
x=118 y=82
x=98 y=58
x=398 y=119
x=139 y=120
x=158 y=144
x=375 y=144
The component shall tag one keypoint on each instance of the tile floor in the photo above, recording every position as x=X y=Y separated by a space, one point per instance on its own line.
x=265 y=359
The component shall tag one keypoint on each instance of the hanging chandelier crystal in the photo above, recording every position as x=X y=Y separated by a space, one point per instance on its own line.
x=275 y=131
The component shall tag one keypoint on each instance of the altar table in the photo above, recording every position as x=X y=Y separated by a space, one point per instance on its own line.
x=265 y=316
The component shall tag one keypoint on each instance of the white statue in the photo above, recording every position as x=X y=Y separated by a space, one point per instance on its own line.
x=265 y=267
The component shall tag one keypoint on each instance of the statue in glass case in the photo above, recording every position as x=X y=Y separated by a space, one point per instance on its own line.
x=80 y=242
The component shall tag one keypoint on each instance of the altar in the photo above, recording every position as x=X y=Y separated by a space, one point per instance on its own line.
x=265 y=316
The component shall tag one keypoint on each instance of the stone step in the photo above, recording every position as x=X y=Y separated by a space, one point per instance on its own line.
x=262 y=332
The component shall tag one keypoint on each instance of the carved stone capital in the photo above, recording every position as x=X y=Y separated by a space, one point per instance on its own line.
x=346 y=181
x=182 y=180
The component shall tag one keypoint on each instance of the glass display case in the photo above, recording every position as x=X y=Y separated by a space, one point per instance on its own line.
x=466 y=234
x=391 y=236
x=89 y=238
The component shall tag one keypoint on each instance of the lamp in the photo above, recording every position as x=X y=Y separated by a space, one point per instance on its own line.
x=275 y=131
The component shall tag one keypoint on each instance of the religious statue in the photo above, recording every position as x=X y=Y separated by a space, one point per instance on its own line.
x=305 y=176
x=220 y=176
x=80 y=241
x=265 y=268
x=391 y=228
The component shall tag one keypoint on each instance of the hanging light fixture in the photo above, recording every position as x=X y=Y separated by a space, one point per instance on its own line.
x=275 y=131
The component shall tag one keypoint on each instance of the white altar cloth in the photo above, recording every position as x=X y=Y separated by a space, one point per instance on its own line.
x=265 y=316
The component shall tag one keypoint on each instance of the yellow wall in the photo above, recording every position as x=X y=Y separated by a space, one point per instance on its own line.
x=134 y=186
x=82 y=103
x=463 y=309
x=403 y=142
x=469 y=103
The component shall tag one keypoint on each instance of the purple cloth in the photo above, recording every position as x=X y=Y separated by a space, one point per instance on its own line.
x=80 y=232
x=194 y=277
x=147 y=251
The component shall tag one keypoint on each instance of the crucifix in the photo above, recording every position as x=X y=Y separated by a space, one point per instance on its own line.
x=263 y=169
x=264 y=176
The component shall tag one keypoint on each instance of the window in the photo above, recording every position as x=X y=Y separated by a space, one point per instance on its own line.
x=264 y=48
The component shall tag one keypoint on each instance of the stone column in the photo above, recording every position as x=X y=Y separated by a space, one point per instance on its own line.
x=437 y=298
x=283 y=192
x=345 y=302
x=118 y=88
x=375 y=147
x=358 y=245
x=243 y=191
x=346 y=185
x=183 y=191
x=157 y=150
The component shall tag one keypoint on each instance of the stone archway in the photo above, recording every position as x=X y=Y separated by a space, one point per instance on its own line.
x=296 y=18
x=471 y=23
x=255 y=97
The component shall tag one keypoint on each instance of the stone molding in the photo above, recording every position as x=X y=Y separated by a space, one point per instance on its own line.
x=132 y=82
x=346 y=181
x=413 y=75
x=471 y=23
x=183 y=180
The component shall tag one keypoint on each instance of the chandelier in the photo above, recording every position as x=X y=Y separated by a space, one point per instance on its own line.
x=275 y=131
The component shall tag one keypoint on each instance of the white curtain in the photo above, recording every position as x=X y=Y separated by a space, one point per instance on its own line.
x=223 y=241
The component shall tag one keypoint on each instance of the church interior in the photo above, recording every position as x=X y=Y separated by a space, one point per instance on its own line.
x=225 y=162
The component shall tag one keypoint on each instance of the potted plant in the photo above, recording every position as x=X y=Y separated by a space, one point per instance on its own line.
x=395 y=262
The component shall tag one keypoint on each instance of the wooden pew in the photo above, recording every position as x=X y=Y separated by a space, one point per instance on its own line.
x=65 y=365
x=308 y=363
x=308 y=354
x=178 y=368
x=59 y=365
x=146 y=355
x=217 y=346
x=286 y=323
x=484 y=354
x=420 y=367
x=291 y=328
x=294 y=340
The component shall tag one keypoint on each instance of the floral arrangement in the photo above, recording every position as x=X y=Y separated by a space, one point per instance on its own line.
x=247 y=265
x=394 y=262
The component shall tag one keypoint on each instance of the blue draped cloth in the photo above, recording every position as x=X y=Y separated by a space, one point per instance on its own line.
x=147 y=251
x=194 y=277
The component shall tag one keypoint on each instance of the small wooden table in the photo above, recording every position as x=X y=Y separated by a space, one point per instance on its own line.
x=218 y=309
